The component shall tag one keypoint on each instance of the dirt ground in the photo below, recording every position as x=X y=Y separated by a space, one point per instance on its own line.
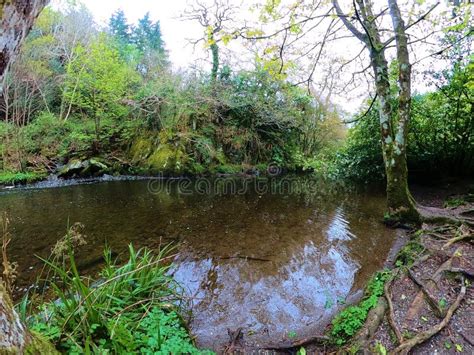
x=423 y=294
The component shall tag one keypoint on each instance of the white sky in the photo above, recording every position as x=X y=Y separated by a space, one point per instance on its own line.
x=175 y=32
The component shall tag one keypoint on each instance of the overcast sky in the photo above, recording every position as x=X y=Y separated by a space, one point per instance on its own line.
x=175 y=32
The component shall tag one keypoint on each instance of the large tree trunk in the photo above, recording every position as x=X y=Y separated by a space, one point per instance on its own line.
x=14 y=336
x=400 y=202
x=393 y=127
x=17 y=17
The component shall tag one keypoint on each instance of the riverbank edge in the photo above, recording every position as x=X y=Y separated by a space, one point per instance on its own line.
x=327 y=342
x=379 y=333
x=10 y=180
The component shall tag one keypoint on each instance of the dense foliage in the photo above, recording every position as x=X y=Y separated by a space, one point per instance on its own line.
x=78 y=93
x=441 y=133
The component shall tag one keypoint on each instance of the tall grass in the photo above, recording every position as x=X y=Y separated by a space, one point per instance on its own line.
x=134 y=307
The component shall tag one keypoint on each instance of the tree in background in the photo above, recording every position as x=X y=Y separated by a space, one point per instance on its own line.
x=141 y=45
x=217 y=20
x=100 y=79
x=147 y=35
x=148 y=40
x=119 y=28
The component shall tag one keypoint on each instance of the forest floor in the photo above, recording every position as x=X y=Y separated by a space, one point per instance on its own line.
x=431 y=300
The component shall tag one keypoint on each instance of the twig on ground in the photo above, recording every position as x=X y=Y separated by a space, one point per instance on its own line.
x=464 y=233
x=407 y=345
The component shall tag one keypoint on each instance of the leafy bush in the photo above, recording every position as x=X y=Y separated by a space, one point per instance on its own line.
x=132 y=308
x=361 y=158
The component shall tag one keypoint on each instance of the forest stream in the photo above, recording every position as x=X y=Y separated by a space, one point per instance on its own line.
x=276 y=264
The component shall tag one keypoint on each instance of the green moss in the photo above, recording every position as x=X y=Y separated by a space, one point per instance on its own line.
x=168 y=159
x=40 y=345
x=229 y=169
x=141 y=148
x=9 y=178
x=411 y=251
x=454 y=202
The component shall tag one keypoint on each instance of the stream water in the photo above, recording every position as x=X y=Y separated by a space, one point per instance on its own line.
x=276 y=262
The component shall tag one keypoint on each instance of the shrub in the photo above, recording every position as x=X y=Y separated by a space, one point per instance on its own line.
x=132 y=308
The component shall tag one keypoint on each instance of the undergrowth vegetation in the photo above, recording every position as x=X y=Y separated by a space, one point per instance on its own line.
x=348 y=322
x=132 y=308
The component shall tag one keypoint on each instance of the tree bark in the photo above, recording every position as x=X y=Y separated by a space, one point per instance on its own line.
x=16 y=19
x=402 y=203
x=215 y=60
x=393 y=127
x=14 y=336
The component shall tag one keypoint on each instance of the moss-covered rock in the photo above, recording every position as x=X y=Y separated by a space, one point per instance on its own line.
x=168 y=159
x=142 y=148
x=83 y=168
x=160 y=153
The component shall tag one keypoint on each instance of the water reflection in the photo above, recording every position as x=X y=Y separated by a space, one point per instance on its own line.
x=272 y=264
x=289 y=286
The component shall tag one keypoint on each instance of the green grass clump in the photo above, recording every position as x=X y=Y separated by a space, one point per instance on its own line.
x=454 y=202
x=134 y=308
x=9 y=178
x=347 y=323
x=411 y=251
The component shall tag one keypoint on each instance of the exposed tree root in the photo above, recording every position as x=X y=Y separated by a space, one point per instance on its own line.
x=407 y=345
x=374 y=319
x=440 y=215
x=234 y=336
x=391 y=316
x=468 y=213
x=465 y=272
x=417 y=303
x=463 y=233
x=466 y=338
x=438 y=235
x=430 y=299
x=317 y=339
